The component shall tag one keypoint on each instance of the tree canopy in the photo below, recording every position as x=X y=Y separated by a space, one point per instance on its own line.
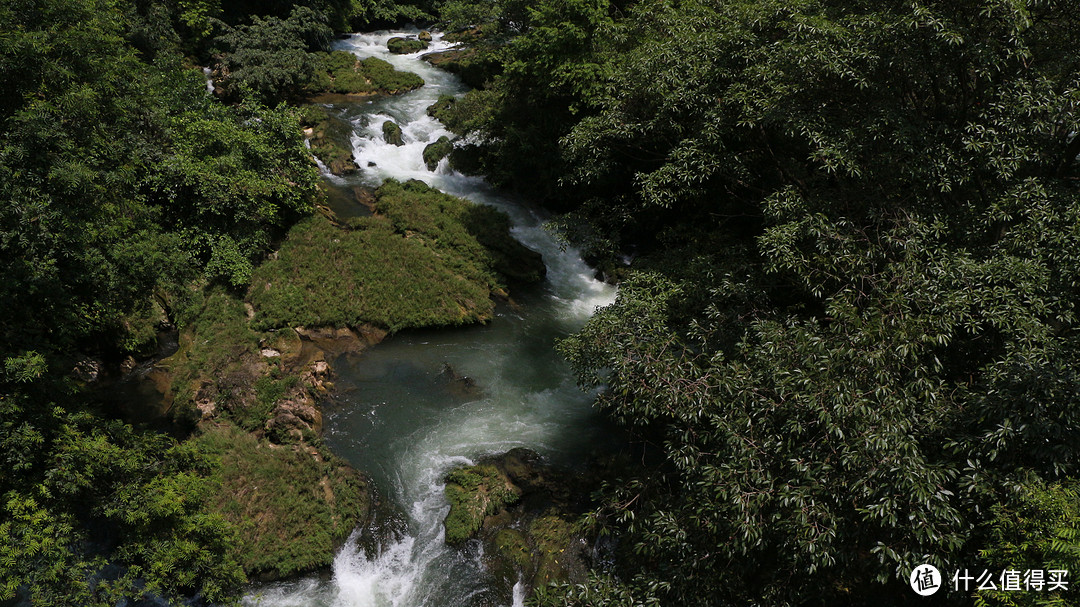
x=123 y=183
x=850 y=330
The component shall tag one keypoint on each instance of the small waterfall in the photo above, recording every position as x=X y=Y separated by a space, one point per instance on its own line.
x=399 y=424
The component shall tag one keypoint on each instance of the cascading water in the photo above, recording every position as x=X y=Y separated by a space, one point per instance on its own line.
x=398 y=418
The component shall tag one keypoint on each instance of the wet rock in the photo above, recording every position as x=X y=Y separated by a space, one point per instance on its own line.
x=392 y=133
x=88 y=369
x=457 y=384
x=334 y=341
x=525 y=512
x=405 y=46
x=435 y=152
x=128 y=365
x=287 y=343
x=424 y=35
x=475 y=492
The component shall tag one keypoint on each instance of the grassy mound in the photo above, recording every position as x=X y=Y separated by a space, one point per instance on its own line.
x=292 y=508
x=216 y=358
x=342 y=72
x=328 y=276
x=420 y=262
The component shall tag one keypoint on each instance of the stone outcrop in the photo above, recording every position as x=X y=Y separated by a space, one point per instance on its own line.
x=435 y=152
x=392 y=133
x=525 y=513
x=405 y=46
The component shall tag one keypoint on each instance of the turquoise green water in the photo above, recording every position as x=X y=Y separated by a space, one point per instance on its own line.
x=396 y=413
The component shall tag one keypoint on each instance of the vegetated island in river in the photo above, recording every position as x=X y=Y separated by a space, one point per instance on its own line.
x=249 y=371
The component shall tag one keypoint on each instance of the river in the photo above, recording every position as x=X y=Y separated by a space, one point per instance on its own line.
x=395 y=415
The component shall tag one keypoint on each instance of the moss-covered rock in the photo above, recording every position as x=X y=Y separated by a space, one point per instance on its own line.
x=467 y=64
x=438 y=109
x=388 y=80
x=342 y=73
x=424 y=35
x=525 y=512
x=475 y=492
x=405 y=46
x=511 y=259
x=330 y=138
x=557 y=546
x=435 y=152
x=392 y=133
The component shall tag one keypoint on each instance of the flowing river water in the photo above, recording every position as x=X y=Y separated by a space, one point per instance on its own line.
x=395 y=415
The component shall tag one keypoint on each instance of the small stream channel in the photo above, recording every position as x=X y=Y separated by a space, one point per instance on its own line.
x=396 y=415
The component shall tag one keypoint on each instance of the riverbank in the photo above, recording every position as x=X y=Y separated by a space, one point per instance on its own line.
x=250 y=371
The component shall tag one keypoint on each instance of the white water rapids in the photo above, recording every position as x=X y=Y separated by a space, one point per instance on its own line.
x=394 y=419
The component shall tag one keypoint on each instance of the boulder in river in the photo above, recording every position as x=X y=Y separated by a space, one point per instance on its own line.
x=392 y=133
x=457 y=384
x=525 y=514
x=405 y=46
x=434 y=152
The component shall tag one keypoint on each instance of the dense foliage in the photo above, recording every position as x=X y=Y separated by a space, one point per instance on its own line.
x=847 y=343
x=850 y=332
x=274 y=59
x=124 y=185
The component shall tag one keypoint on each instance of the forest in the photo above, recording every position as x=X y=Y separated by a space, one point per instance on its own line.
x=845 y=234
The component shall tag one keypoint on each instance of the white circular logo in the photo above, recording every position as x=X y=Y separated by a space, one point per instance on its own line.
x=925 y=580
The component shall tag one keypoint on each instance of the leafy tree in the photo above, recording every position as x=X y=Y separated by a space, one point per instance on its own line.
x=95 y=512
x=854 y=324
x=105 y=168
x=1037 y=529
x=273 y=59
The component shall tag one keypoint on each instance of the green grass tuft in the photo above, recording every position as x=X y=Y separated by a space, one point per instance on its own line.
x=291 y=510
